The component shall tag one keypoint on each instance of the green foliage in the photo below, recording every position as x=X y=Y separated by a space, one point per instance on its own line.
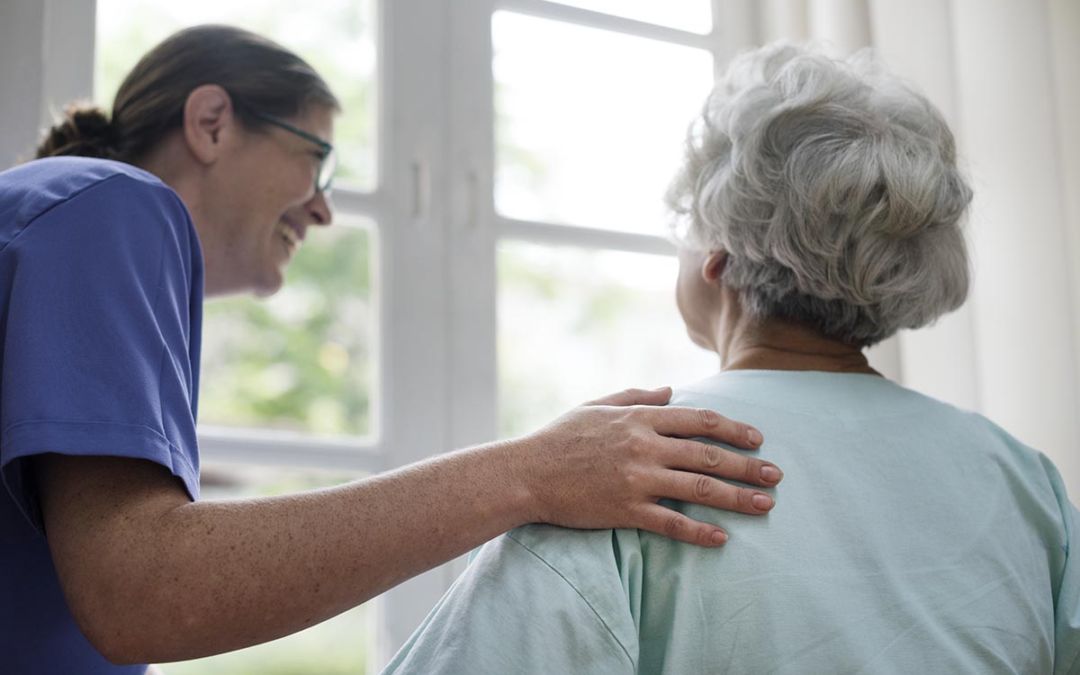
x=301 y=359
x=337 y=39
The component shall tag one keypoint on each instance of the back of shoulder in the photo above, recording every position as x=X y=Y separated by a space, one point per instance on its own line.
x=33 y=189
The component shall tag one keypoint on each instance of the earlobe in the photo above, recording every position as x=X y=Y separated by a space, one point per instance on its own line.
x=208 y=117
x=713 y=266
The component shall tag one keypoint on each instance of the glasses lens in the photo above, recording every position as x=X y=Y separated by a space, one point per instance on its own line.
x=326 y=171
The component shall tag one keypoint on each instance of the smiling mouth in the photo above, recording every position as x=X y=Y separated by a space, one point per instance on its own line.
x=289 y=235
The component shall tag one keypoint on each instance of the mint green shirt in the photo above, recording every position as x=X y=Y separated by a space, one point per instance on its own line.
x=908 y=537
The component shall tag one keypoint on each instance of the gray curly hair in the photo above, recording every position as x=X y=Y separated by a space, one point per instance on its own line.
x=833 y=187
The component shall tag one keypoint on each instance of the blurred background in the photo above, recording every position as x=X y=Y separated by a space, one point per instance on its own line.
x=500 y=251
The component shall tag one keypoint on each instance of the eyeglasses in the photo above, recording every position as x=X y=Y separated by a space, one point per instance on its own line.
x=327 y=159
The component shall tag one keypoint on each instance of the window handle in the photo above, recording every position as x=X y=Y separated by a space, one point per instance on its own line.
x=421 y=189
x=472 y=199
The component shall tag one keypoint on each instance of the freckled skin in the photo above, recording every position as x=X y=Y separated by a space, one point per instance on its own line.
x=150 y=576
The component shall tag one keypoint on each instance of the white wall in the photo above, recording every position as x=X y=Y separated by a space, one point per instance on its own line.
x=42 y=65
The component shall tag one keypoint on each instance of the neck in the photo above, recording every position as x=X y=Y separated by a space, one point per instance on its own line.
x=745 y=343
x=170 y=162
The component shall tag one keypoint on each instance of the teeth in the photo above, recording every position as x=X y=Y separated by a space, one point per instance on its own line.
x=289 y=235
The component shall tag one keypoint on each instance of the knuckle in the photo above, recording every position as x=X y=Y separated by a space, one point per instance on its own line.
x=743 y=500
x=703 y=488
x=709 y=418
x=711 y=456
x=635 y=447
x=751 y=470
x=675 y=525
x=634 y=481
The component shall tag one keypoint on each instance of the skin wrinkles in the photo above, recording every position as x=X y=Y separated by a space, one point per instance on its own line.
x=150 y=575
x=716 y=320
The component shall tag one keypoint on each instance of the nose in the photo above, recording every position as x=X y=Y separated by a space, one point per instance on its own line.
x=319 y=209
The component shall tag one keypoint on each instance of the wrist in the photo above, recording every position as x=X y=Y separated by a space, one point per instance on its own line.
x=517 y=473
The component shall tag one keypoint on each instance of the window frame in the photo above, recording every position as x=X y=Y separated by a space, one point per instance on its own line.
x=436 y=231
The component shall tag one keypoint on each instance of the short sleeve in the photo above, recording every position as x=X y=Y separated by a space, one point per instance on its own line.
x=101 y=334
x=511 y=612
x=1067 y=585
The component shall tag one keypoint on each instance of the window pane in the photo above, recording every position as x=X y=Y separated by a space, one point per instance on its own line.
x=590 y=133
x=576 y=324
x=335 y=36
x=691 y=15
x=339 y=646
x=302 y=359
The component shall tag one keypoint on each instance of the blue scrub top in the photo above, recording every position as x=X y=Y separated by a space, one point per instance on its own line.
x=101 y=284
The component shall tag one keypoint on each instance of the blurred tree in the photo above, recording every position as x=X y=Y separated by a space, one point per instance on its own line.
x=301 y=360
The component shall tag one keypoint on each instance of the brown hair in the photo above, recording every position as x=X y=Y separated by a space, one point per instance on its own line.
x=258 y=74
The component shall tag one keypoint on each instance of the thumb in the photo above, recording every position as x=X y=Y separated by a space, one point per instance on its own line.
x=635 y=397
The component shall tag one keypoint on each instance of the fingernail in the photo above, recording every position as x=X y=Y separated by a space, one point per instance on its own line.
x=761 y=502
x=754 y=436
x=770 y=474
x=719 y=538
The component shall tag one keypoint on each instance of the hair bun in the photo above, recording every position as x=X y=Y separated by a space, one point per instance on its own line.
x=84 y=131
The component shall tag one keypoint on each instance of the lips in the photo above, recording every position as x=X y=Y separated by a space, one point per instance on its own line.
x=292 y=234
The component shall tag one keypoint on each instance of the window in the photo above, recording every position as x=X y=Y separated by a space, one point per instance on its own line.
x=501 y=250
x=289 y=388
x=586 y=136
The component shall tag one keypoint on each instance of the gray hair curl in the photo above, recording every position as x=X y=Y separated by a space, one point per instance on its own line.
x=833 y=187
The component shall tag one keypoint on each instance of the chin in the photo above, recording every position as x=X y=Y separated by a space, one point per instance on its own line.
x=269 y=285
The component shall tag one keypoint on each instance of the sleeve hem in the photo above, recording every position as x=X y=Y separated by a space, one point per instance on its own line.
x=89 y=438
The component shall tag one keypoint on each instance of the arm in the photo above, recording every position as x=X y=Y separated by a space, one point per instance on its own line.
x=150 y=576
x=540 y=600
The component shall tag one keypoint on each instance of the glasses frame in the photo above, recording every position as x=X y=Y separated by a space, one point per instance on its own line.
x=323 y=181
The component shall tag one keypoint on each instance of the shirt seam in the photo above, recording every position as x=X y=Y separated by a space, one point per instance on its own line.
x=164 y=343
x=580 y=595
x=58 y=204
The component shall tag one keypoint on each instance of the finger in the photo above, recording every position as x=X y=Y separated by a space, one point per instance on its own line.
x=708 y=491
x=677 y=526
x=653 y=397
x=705 y=458
x=690 y=422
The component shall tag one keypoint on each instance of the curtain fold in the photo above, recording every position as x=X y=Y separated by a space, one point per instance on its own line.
x=1006 y=74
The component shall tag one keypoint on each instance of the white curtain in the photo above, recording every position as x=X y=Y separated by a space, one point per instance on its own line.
x=1006 y=74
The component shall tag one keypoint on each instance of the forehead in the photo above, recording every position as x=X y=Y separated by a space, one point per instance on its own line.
x=317 y=119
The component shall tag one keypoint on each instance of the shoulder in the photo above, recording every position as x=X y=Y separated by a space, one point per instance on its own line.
x=59 y=178
x=521 y=606
x=37 y=189
x=602 y=567
x=74 y=207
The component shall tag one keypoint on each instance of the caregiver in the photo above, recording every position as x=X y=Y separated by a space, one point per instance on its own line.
x=203 y=181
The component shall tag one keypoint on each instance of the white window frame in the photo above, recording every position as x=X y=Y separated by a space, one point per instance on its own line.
x=436 y=227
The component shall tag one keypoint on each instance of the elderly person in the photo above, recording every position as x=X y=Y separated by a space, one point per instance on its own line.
x=820 y=204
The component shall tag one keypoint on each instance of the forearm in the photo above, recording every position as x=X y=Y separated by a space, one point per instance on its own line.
x=150 y=576
x=208 y=577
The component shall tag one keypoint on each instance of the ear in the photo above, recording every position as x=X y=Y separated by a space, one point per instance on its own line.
x=208 y=120
x=713 y=266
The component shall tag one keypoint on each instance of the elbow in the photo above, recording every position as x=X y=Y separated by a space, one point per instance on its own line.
x=114 y=638
x=112 y=624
